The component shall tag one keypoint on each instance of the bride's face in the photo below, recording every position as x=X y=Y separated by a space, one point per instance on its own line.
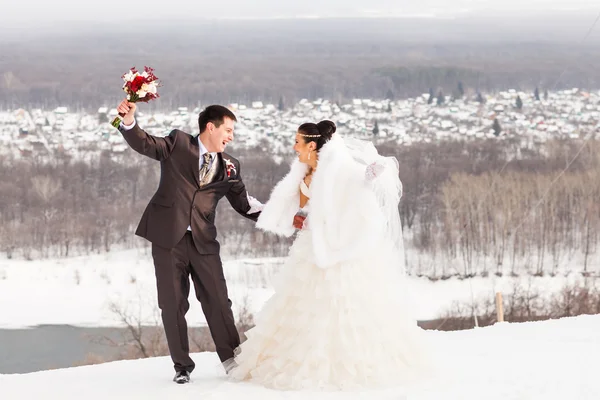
x=303 y=149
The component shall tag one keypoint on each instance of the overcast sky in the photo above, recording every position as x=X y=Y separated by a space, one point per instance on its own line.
x=48 y=12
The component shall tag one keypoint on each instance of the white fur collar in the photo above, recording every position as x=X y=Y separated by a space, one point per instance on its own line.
x=278 y=213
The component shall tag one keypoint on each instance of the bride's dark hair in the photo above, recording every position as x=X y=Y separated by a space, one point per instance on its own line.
x=319 y=133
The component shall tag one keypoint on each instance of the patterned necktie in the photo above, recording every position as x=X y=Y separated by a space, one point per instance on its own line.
x=205 y=164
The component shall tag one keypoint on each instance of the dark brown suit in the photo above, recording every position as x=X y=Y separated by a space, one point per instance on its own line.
x=180 y=202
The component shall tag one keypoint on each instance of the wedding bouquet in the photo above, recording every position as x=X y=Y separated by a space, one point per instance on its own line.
x=140 y=87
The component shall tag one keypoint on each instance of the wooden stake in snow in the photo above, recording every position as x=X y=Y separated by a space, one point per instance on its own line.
x=499 y=308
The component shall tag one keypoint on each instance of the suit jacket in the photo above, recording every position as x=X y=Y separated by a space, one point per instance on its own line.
x=179 y=201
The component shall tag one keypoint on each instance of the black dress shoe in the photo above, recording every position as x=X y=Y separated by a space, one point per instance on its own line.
x=182 y=377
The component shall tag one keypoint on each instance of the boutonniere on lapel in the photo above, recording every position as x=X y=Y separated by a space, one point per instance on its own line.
x=230 y=168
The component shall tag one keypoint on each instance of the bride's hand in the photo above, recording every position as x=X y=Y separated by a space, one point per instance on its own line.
x=373 y=171
x=299 y=221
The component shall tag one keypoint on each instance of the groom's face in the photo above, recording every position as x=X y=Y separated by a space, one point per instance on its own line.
x=220 y=136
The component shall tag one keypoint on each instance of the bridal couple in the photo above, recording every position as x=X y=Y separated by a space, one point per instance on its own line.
x=338 y=318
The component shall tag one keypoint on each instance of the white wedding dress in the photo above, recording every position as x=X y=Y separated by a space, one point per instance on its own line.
x=338 y=318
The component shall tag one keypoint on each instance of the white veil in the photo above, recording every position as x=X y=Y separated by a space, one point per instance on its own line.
x=382 y=173
x=355 y=197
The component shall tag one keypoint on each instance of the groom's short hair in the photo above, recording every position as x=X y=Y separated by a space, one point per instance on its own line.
x=215 y=114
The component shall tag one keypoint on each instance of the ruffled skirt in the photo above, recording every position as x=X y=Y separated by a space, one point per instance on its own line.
x=342 y=328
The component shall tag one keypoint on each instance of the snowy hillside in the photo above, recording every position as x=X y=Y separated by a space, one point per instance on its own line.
x=530 y=361
x=80 y=290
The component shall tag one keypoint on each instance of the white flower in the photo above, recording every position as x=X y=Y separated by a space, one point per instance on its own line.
x=141 y=93
x=128 y=97
x=145 y=74
x=128 y=77
x=150 y=87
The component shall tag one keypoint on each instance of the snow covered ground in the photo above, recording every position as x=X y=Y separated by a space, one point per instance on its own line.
x=79 y=290
x=547 y=360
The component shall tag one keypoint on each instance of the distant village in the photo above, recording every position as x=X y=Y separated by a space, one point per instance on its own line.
x=531 y=117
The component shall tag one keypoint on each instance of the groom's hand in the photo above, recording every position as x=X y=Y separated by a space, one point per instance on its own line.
x=299 y=221
x=127 y=111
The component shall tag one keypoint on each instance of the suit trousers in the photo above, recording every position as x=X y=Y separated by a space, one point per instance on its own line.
x=173 y=268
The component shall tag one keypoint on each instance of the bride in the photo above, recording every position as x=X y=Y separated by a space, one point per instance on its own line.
x=338 y=318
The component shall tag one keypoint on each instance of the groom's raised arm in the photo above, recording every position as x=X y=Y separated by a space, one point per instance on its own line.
x=155 y=147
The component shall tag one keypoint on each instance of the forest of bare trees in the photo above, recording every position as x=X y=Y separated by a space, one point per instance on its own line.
x=477 y=212
x=471 y=208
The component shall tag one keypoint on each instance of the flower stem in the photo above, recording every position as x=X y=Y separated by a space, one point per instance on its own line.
x=116 y=122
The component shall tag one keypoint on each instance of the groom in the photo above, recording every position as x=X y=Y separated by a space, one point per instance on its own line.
x=179 y=222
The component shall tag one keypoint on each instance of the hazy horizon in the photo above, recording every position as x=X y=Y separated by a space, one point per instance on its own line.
x=425 y=21
x=32 y=13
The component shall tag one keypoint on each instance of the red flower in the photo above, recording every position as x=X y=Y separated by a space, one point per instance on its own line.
x=137 y=83
x=150 y=72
